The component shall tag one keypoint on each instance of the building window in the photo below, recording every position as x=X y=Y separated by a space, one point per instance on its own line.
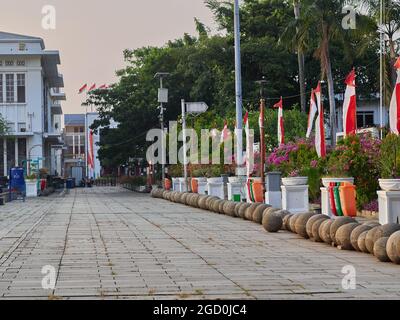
x=10 y=87
x=9 y=63
x=21 y=88
x=365 y=119
x=22 y=46
x=21 y=63
x=21 y=127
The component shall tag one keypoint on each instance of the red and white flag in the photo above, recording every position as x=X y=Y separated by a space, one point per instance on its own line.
x=350 y=105
x=224 y=134
x=93 y=87
x=312 y=113
x=281 y=127
x=320 y=144
x=249 y=147
x=104 y=86
x=91 y=152
x=394 y=111
x=83 y=88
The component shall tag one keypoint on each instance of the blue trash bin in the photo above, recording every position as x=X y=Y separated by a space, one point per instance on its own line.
x=17 y=183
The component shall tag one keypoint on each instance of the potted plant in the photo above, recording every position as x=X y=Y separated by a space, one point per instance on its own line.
x=389 y=163
x=338 y=166
x=295 y=178
x=31 y=183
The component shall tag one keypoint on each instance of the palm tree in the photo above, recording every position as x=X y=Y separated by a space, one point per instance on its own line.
x=300 y=57
x=390 y=28
x=319 y=24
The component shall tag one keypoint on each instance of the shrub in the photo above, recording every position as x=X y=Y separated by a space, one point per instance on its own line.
x=389 y=164
x=299 y=159
x=357 y=156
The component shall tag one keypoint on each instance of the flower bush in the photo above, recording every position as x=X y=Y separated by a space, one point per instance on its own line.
x=389 y=164
x=357 y=156
x=299 y=159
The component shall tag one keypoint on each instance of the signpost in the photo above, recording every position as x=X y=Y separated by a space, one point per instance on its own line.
x=191 y=108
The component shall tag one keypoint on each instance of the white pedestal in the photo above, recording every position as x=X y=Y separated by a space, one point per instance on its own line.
x=274 y=198
x=202 y=187
x=234 y=189
x=182 y=185
x=325 y=204
x=389 y=207
x=216 y=189
x=175 y=184
x=31 y=189
x=295 y=199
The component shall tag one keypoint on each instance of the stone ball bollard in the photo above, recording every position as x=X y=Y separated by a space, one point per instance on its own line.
x=272 y=222
x=356 y=233
x=343 y=236
x=315 y=229
x=361 y=241
x=380 y=249
x=286 y=222
x=243 y=208
x=370 y=239
x=324 y=231
x=248 y=214
x=311 y=222
x=393 y=247
x=258 y=213
x=229 y=208
x=336 y=224
x=301 y=223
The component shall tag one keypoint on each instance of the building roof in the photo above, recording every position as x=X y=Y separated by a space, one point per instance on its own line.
x=74 y=120
x=13 y=37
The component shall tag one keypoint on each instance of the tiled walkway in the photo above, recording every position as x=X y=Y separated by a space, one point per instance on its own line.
x=109 y=243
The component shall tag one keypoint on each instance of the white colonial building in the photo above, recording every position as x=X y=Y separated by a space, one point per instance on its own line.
x=30 y=104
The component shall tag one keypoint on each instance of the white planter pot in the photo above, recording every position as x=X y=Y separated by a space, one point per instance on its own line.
x=201 y=179
x=327 y=181
x=215 y=180
x=31 y=188
x=295 y=181
x=234 y=180
x=389 y=184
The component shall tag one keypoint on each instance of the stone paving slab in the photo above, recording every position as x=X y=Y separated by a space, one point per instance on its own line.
x=109 y=243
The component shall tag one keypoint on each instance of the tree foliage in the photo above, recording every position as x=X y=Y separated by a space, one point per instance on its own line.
x=202 y=69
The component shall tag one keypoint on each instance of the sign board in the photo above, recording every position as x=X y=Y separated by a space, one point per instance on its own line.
x=196 y=107
x=163 y=95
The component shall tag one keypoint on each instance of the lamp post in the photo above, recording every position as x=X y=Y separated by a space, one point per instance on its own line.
x=262 y=84
x=238 y=86
x=162 y=98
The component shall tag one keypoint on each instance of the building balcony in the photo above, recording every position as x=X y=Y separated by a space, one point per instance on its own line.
x=56 y=94
x=56 y=108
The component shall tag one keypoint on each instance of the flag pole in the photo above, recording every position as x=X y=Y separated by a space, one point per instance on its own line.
x=238 y=88
x=381 y=78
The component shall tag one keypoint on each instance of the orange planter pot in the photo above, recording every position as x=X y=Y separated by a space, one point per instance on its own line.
x=348 y=199
x=195 y=185
x=167 y=184
x=256 y=189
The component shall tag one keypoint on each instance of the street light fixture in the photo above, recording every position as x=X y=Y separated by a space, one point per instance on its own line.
x=162 y=98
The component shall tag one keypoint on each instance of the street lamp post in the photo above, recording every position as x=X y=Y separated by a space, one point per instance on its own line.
x=238 y=86
x=162 y=98
x=262 y=84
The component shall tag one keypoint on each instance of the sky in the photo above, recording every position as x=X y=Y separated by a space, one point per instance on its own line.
x=92 y=34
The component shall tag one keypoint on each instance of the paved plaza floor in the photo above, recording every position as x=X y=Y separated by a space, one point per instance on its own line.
x=108 y=243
